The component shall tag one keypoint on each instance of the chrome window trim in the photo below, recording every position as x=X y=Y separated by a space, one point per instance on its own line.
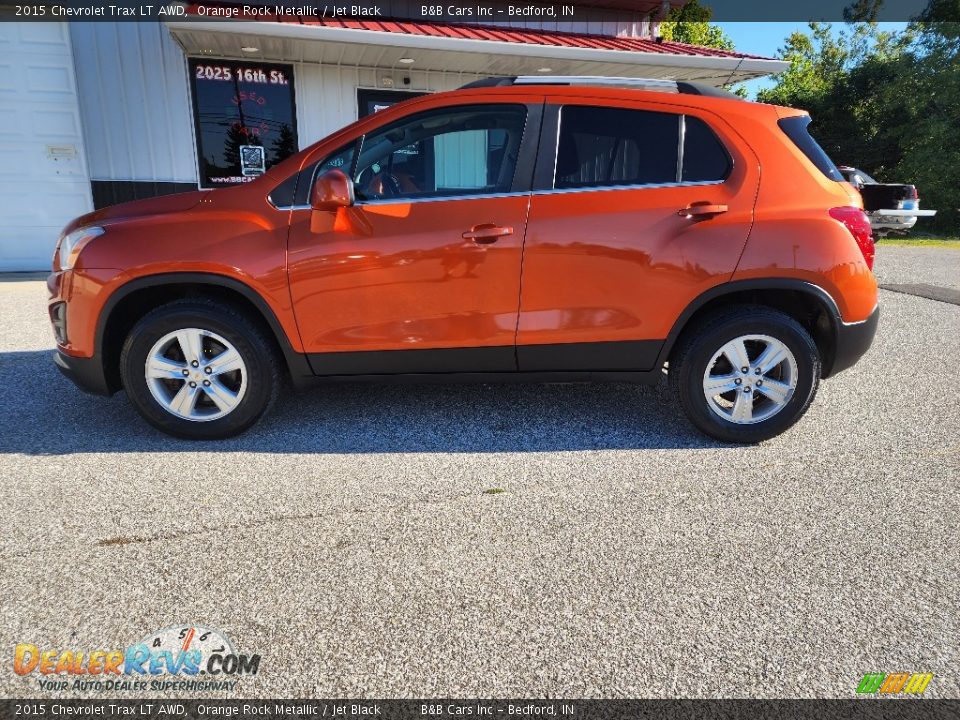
x=439 y=198
x=598 y=80
x=647 y=186
x=681 y=139
x=556 y=145
x=555 y=191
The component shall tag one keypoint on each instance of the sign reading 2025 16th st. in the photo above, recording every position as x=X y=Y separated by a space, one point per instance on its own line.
x=245 y=116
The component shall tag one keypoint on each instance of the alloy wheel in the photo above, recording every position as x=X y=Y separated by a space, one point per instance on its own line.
x=750 y=379
x=196 y=374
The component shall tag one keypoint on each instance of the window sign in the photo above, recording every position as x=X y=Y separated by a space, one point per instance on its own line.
x=245 y=117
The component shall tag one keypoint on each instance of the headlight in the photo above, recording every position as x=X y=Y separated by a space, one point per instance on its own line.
x=73 y=243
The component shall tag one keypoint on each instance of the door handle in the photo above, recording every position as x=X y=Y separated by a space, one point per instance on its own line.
x=702 y=210
x=487 y=233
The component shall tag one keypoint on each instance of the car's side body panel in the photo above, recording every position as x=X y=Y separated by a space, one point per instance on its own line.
x=793 y=235
x=234 y=234
x=400 y=276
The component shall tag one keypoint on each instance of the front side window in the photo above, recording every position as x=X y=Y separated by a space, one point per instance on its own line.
x=609 y=147
x=467 y=150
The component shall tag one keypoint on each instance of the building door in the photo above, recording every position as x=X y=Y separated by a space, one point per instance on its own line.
x=43 y=177
x=422 y=273
x=373 y=101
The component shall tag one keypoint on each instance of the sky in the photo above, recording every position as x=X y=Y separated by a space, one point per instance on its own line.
x=765 y=38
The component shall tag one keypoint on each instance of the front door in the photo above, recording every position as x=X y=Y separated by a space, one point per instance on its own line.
x=422 y=274
x=612 y=257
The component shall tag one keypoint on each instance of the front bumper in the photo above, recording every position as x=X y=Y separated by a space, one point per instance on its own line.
x=852 y=342
x=85 y=373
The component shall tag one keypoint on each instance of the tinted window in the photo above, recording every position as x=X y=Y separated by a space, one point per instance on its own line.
x=796 y=129
x=613 y=146
x=704 y=157
x=467 y=150
x=245 y=118
x=282 y=195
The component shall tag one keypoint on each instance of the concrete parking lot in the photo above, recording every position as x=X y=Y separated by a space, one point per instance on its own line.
x=357 y=540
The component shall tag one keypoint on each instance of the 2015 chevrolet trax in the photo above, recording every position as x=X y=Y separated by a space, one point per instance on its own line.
x=550 y=229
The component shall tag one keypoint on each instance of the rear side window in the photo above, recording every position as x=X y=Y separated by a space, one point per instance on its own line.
x=795 y=128
x=608 y=147
x=612 y=146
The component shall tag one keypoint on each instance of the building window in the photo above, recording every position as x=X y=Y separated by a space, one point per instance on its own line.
x=245 y=117
x=370 y=102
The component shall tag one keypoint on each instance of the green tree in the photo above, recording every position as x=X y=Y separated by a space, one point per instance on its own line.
x=285 y=145
x=690 y=23
x=886 y=102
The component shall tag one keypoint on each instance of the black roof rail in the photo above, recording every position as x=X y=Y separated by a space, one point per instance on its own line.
x=490 y=82
x=697 y=88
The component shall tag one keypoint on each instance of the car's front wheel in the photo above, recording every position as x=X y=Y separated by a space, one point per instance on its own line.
x=199 y=370
x=745 y=374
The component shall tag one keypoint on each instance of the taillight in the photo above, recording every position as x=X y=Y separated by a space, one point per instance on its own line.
x=857 y=222
x=912 y=192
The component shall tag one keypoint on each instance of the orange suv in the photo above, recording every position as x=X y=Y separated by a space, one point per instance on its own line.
x=531 y=228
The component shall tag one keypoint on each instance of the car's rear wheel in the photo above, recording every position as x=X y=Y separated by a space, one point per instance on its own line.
x=199 y=370
x=745 y=374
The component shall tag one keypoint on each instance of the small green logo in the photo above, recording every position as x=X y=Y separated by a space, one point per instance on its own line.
x=894 y=683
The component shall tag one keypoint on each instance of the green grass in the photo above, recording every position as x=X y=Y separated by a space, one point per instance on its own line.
x=922 y=240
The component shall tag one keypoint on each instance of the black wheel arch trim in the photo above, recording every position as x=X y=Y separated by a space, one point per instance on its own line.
x=728 y=288
x=296 y=362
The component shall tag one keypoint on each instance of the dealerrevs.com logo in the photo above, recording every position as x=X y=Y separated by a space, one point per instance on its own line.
x=182 y=657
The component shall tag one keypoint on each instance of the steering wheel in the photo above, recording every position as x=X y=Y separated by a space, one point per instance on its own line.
x=390 y=185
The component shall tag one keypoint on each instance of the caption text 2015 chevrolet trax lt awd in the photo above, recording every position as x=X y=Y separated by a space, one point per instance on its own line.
x=519 y=228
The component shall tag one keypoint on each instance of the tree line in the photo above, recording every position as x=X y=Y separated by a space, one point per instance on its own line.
x=885 y=102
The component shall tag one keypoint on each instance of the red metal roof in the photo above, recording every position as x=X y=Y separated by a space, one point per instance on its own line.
x=499 y=33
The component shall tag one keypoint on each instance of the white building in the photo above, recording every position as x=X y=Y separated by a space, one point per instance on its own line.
x=95 y=113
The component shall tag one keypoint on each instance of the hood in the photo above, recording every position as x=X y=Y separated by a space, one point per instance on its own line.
x=138 y=208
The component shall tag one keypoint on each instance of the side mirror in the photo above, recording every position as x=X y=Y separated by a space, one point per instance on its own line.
x=331 y=190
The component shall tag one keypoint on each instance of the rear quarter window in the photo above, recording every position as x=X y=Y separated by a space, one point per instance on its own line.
x=705 y=159
x=795 y=128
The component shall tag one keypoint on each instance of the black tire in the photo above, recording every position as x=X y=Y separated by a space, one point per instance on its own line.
x=256 y=351
x=699 y=343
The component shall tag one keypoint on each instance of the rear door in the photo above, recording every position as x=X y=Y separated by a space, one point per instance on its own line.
x=642 y=207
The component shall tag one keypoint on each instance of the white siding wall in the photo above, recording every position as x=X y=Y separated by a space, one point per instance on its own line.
x=135 y=102
x=43 y=173
x=327 y=94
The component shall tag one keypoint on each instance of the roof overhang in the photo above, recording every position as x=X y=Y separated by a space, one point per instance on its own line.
x=294 y=42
